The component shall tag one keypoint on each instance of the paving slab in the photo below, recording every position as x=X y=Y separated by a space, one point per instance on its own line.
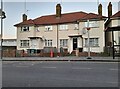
x=73 y=58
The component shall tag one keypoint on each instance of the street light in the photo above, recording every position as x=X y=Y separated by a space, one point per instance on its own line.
x=88 y=28
x=2 y=16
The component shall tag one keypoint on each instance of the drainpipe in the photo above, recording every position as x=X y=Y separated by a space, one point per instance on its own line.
x=57 y=39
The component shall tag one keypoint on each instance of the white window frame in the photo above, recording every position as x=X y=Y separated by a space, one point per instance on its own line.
x=76 y=27
x=92 y=24
x=63 y=42
x=25 y=29
x=63 y=27
x=37 y=29
x=48 y=28
x=24 y=43
x=48 y=43
x=94 y=42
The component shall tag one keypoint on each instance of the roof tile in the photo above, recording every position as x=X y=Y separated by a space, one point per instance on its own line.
x=65 y=18
x=116 y=15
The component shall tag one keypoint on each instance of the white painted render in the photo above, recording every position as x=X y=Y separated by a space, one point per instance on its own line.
x=116 y=22
x=41 y=32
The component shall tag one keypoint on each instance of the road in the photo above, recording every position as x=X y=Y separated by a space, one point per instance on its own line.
x=59 y=74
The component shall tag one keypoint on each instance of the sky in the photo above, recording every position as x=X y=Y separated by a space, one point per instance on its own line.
x=14 y=11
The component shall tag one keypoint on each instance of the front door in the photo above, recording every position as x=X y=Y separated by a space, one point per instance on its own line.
x=74 y=43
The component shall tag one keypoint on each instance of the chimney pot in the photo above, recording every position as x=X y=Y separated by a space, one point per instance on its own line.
x=58 y=10
x=24 y=17
x=109 y=9
x=100 y=9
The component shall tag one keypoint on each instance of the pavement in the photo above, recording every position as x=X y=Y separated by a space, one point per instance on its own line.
x=68 y=58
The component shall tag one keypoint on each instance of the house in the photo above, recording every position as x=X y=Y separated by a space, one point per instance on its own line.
x=112 y=32
x=67 y=31
x=115 y=22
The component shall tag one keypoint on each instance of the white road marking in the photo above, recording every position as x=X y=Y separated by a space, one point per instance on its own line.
x=113 y=82
x=82 y=68
x=96 y=62
x=21 y=66
x=113 y=69
x=50 y=67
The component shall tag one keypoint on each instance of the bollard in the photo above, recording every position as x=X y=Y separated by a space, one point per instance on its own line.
x=51 y=53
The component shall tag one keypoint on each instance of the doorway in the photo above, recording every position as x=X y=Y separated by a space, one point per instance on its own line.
x=74 y=43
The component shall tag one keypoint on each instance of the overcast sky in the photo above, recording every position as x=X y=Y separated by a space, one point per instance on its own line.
x=14 y=11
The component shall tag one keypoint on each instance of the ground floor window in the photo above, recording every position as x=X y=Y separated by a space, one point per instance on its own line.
x=93 y=42
x=48 y=43
x=33 y=51
x=24 y=43
x=63 y=42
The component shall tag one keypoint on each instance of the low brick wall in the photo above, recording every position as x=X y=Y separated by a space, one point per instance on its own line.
x=86 y=54
x=9 y=53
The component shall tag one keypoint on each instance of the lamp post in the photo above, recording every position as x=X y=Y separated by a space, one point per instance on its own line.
x=88 y=28
x=2 y=16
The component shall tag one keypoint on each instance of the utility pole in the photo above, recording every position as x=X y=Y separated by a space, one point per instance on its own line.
x=2 y=16
x=1 y=29
x=88 y=28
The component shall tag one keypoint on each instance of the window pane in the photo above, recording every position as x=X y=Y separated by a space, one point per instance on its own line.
x=63 y=27
x=93 y=42
x=24 y=43
x=63 y=42
x=76 y=26
x=48 y=43
x=48 y=28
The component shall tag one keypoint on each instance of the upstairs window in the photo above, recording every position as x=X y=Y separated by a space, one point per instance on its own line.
x=63 y=27
x=119 y=22
x=37 y=29
x=92 y=24
x=76 y=27
x=48 y=28
x=25 y=29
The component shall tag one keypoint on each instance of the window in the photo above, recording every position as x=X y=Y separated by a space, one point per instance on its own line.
x=119 y=40
x=63 y=27
x=76 y=26
x=37 y=29
x=48 y=43
x=24 y=43
x=48 y=28
x=32 y=51
x=119 y=22
x=93 y=42
x=63 y=42
x=92 y=24
x=25 y=29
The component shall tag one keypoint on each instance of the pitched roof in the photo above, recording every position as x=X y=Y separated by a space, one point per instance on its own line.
x=27 y=22
x=65 y=18
x=93 y=16
x=116 y=15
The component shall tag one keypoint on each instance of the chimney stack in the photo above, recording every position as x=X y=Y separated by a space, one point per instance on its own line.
x=24 y=17
x=58 y=10
x=109 y=10
x=100 y=9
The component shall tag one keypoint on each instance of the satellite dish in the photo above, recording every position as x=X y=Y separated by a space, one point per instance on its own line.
x=84 y=31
